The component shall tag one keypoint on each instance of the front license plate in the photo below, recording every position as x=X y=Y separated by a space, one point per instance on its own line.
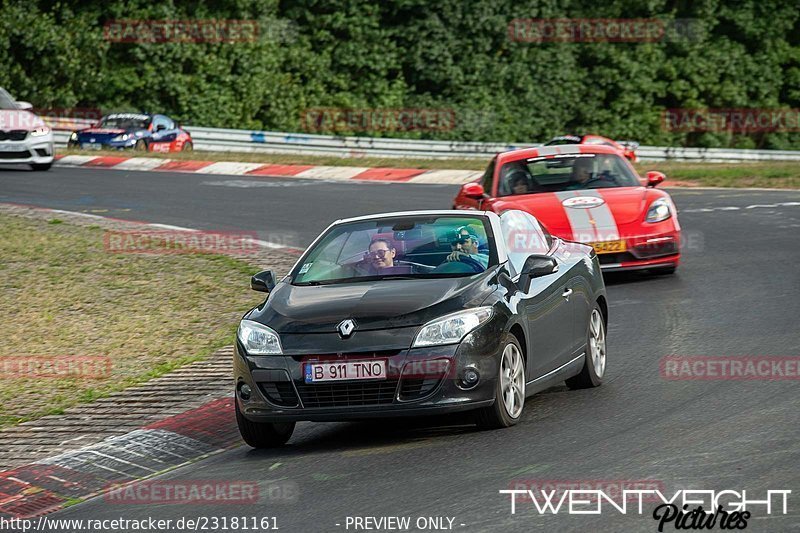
x=345 y=370
x=609 y=247
x=8 y=148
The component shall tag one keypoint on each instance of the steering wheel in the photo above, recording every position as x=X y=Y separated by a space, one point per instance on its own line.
x=472 y=263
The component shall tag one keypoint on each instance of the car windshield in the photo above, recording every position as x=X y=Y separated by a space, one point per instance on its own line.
x=566 y=173
x=125 y=122
x=6 y=102
x=417 y=246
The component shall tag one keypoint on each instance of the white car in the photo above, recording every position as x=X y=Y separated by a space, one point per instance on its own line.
x=24 y=137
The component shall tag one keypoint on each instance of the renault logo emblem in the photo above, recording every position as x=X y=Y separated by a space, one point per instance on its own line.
x=346 y=328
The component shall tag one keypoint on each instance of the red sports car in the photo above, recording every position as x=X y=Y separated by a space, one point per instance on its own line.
x=628 y=148
x=584 y=193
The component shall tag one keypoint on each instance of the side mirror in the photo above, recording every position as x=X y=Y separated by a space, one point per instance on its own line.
x=25 y=106
x=264 y=281
x=160 y=127
x=654 y=178
x=473 y=190
x=536 y=266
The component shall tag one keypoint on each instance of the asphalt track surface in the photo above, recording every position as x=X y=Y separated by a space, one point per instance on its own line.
x=737 y=293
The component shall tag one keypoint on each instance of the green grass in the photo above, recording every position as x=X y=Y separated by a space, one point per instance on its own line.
x=778 y=174
x=64 y=295
x=762 y=174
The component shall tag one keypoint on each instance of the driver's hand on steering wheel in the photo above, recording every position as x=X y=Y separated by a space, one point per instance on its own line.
x=456 y=256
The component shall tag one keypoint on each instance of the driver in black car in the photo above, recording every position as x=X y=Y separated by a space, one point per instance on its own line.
x=465 y=244
x=381 y=254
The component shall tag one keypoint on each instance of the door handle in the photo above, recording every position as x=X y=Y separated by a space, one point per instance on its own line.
x=567 y=293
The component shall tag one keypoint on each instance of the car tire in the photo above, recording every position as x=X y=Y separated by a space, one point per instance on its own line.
x=140 y=146
x=594 y=364
x=41 y=166
x=263 y=434
x=187 y=147
x=510 y=381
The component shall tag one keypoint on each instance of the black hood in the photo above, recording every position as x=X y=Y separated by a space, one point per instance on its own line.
x=372 y=304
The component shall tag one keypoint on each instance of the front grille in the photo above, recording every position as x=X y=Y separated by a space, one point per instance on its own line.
x=417 y=388
x=606 y=259
x=347 y=394
x=13 y=135
x=280 y=393
x=19 y=154
x=657 y=249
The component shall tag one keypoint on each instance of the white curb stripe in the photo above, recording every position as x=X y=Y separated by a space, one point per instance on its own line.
x=140 y=163
x=228 y=167
x=75 y=160
x=446 y=176
x=331 y=173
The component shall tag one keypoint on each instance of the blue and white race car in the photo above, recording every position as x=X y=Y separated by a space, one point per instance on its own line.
x=137 y=131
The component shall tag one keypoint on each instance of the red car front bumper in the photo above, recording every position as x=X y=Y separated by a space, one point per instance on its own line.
x=645 y=252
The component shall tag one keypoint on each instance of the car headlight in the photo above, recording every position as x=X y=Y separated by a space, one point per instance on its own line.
x=41 y=130
x=451 y=329
x=258 y=339
x=121 y=138
x=659 y=210
x=73 y=136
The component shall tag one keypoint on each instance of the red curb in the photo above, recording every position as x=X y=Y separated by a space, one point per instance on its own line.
x=30 y=505
x=36 y=489
x=183 y=166
x=279 y=170
x=212 y=423
x=105 y=161
x=57 y=479
x=388 y=174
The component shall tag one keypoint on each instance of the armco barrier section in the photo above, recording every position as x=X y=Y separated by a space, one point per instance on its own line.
x=228 y=140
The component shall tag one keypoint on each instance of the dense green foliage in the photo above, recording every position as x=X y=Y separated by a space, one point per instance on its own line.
x=390 y=54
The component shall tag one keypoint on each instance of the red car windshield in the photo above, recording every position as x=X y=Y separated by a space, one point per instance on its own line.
x=565 y=173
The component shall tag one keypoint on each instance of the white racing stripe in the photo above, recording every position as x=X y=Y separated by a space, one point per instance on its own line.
x=594 y=224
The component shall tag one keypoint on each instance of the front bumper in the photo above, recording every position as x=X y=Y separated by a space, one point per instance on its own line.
x=661 y=250
x=32 y=150
x=108 y=145
x=420 y=381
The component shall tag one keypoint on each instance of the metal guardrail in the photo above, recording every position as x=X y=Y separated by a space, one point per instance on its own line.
x=229 y=140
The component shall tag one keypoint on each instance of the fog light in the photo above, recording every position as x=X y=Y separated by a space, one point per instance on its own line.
x=245 y=391
x=470 y=378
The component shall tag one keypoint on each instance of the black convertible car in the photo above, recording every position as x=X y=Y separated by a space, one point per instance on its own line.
x=416 y=313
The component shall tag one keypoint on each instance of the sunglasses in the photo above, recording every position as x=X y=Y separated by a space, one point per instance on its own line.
x=377 y=253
